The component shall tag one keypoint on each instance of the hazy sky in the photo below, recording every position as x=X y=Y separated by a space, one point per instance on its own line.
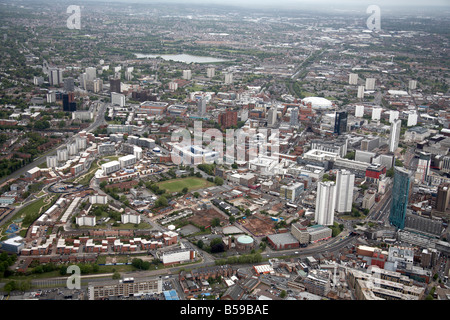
x=290 y=3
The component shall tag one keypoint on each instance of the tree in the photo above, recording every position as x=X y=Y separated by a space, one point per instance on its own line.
x=161 y=202
x=398 y=163
x=390 y=172
x=63 y=270
x=215 y=222
x=219 y=247
x=196 y=194
x=185 y=190
x=350 y=155
x=116 y=275
x=218 y=181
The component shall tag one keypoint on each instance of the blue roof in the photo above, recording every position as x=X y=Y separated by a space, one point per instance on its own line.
x=171 y=295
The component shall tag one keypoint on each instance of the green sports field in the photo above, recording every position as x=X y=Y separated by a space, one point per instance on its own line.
x=177 y=185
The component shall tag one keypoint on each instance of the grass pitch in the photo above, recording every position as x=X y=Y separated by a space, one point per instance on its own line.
x=177 y=185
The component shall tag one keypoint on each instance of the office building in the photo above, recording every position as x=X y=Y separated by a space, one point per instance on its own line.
x=300 y=233
x=124 y=288
x=338 y=145
x=394 y=136
x=345 y=182
x=13 y=245
x=443 y=197
x=153 y=108
x=292 y=191
x=325 y=203
x=370 y=83
x=227 y=119
x=318 y=282
x=428 y=226
x=114 y=85
x=312 y=234
x=353 y=78
x=375 y=172
x=370 y=143
x=340 y=122
x=69 y=103
x=416 y=134
x=402 y=186
x=423 y=167
x=193 y=154
x=368 y=200
x=412 y=84
x=380 y=284
x=364 y=156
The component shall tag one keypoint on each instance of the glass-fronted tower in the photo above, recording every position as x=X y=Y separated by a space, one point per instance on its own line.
x=400 y=192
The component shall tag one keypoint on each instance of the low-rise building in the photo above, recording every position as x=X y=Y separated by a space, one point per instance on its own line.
x=123 y=288
x=282 y=241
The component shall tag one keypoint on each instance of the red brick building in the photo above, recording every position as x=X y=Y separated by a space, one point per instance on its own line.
x=227 y=119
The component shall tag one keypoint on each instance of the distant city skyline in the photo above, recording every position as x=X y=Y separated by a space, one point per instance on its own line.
x=300 y=3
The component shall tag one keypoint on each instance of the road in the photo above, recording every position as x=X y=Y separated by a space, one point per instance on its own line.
x=381 y=210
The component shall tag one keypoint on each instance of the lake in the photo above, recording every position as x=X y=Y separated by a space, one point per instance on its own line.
x=186 y=58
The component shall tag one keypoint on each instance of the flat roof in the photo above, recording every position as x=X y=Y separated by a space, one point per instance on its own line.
x=111 y=164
